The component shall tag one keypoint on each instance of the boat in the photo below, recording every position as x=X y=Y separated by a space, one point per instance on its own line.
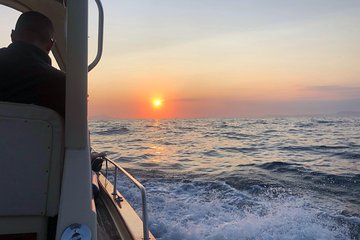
x=49 y=190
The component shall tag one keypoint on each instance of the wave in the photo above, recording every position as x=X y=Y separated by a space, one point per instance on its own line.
x=238 y=150
x=348 y=155
x=134 y=140
x=236 y=135
x=304 y=125
x=211 y=153
x=270 y=131
x=168 y=143
x=298 y=177
x=148 y=164
x=213 y=210
x=280 y=166
x=113 y=131
x=186 y=128
x=134 y=158
x=324 y=121
x=312 y=148
x=185 y=160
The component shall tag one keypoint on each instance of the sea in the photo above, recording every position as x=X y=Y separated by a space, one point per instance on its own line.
x=242 y=178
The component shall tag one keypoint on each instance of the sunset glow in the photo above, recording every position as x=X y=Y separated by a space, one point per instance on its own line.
x=157 y=103
x=230 y=59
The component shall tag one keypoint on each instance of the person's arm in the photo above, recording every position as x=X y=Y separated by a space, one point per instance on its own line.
x=52 y=93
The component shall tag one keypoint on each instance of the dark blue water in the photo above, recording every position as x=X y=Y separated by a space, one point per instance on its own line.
x=273 y=178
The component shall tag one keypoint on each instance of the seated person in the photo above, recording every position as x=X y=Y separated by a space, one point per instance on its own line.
x=26 y=74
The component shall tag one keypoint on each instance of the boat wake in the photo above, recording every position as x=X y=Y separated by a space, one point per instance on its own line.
x=184 y=209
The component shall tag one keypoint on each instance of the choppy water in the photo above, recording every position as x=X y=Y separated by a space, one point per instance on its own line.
x=274 y=178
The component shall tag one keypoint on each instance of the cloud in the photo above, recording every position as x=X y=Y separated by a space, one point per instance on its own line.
x=333 y=88
x=188 y=99
x=292 y=108
x=342 y=91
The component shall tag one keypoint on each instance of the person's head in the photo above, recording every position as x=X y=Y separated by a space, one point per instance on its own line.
x=34 y=28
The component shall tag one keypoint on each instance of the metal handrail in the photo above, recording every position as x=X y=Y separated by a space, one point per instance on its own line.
x=100 y=36
x=138 y=185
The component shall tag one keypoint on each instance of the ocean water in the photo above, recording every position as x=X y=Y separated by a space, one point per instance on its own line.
x=271 y=178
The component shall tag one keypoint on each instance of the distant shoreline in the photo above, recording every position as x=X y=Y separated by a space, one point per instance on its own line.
x=338 y=114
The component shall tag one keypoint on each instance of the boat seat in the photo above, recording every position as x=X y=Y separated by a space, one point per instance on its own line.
x=32 y=155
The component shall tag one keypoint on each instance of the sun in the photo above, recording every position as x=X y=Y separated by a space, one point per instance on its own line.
x=157 y=102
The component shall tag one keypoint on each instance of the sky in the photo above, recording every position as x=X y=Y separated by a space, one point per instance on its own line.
x=228 y=58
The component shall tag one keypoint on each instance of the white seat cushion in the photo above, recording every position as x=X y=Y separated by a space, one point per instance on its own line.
x=31 y=157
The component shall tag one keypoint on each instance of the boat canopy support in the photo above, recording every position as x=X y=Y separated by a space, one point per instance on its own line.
x=100 y=35
x=76 y=205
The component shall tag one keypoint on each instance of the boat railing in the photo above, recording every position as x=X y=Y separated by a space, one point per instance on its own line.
x=118 y=168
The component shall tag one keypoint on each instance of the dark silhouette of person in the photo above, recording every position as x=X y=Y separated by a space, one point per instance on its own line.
x=26 y=74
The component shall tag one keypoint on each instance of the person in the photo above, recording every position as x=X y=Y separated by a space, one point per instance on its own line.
x=26 y=74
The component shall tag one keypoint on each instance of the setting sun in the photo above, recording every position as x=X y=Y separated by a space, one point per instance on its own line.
x=157 y=103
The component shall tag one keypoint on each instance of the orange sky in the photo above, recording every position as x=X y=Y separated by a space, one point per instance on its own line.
x=224 y=61
x=228 y=59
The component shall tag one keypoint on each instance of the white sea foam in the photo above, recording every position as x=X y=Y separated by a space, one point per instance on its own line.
x=192 y=211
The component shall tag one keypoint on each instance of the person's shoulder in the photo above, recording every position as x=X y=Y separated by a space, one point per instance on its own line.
x=10 y=55
x=6 y=56
x=4 y=51
x=55 y=73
